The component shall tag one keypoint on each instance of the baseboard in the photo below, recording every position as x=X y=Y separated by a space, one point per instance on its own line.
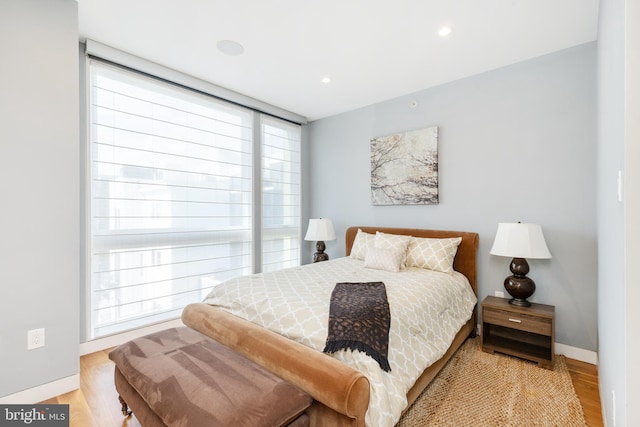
x=43 y=392
x=115 y=340
x=576 y=353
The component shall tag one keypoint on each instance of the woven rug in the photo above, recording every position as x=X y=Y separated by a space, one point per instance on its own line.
x=481 y=389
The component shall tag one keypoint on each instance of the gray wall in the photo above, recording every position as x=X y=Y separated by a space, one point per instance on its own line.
x=39 y=174
x=515 y=144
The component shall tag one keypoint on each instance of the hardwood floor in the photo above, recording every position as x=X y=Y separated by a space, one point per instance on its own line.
x=96 y=404
x=585 y=380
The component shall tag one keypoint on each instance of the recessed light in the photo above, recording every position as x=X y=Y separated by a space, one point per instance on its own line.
x=326 y=80
x=445 y=31
x=229 y=47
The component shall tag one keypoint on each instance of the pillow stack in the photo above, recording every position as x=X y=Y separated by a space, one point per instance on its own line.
x=394 y=252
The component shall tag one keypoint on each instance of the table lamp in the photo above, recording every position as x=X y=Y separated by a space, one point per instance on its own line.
x=520 y=241
x=320 y=229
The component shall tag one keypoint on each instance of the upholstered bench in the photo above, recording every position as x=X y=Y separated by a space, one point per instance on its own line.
x=180 y=377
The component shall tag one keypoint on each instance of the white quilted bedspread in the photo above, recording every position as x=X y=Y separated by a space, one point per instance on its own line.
x=427 y=310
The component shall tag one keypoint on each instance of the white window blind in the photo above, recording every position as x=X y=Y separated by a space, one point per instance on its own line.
x=280 y=194
x=171 y=197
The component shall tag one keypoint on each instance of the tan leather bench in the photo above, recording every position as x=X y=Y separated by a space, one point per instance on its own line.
x=180 y=377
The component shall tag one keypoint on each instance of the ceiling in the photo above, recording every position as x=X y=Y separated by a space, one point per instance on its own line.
x=373 y=50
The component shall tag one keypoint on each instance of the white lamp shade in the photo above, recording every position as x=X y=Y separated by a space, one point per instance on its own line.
x=517 y=240
x=320 y=229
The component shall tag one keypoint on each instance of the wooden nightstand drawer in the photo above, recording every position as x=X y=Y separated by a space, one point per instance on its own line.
x=519 y=321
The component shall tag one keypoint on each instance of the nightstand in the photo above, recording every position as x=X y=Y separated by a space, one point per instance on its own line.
x=526 y=332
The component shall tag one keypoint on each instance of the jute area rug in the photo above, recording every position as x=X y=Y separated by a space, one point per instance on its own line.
x=481 y=389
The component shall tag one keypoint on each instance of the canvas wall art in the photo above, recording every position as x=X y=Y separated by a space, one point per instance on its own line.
x=404 y=168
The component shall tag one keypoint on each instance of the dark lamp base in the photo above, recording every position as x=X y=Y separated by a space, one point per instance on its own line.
x=320 y=255
x=519 y=286
x=520 y=302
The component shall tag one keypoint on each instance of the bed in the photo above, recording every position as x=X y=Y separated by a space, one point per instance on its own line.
x=343 y=394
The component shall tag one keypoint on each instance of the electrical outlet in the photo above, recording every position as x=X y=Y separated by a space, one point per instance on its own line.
x=498 y=294
x=35 y=338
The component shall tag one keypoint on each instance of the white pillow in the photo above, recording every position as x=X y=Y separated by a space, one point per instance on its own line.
x=433 y=254
x=361 y=245
x=383 y=259
x=393 y=241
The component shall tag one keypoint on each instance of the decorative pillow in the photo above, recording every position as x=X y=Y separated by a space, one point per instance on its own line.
x=433 y=254
x=361 y=245
x=383 y=259
x=393 y=241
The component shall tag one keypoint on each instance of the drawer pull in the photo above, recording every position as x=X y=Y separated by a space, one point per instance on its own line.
x=515 y=320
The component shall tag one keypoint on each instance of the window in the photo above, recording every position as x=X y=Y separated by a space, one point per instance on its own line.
x=280 y=194
x=172 y=196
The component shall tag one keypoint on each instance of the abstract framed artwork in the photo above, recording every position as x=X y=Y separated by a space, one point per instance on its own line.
x=404 y=168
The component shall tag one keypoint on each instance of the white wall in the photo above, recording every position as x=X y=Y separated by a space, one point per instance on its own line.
x=618 y=231
x=611 y=298
x=39 y=191
x=632 y=209
x=515 y=144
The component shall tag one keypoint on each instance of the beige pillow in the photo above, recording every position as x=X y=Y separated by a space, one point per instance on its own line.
x=383 y=259
x=393 y=241
x=361 y=245
x=433 y=254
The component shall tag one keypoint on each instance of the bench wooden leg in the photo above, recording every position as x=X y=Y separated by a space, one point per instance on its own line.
x=125 y=408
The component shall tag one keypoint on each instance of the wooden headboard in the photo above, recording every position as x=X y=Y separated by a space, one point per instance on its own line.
x=466 y=258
